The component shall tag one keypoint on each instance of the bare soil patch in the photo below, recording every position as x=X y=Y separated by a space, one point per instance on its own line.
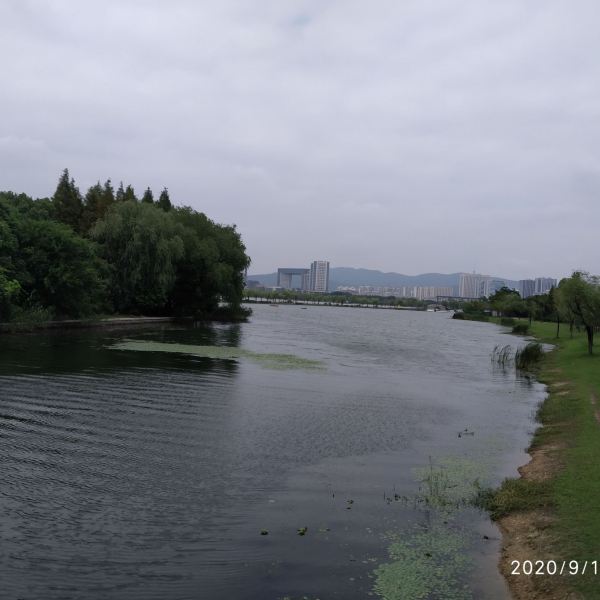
x=526 y=536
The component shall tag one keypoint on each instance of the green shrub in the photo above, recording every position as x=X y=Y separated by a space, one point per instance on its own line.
x=507 y=321
x=521 y=328
x=528 y=356
x=514 y=495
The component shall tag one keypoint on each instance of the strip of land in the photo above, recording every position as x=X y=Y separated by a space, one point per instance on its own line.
x=552 y=512
x=121 y=321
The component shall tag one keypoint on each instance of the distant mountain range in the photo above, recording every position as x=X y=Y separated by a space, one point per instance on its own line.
x=348 y=276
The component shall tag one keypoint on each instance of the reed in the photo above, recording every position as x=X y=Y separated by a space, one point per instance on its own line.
x=528 y=356
x=502 y=355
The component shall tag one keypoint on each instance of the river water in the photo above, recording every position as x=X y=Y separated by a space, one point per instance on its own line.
x=312 y=453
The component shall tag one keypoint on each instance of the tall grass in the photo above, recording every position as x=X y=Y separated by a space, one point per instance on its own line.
x=502 y=355
x=528 y=356
x=521 y=328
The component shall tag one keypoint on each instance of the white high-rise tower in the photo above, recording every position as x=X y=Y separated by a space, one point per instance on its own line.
x=319 y=276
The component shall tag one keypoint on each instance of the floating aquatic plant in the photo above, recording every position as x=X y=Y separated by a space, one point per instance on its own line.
x=271 y=361
x=451 y=483
x=429 y=563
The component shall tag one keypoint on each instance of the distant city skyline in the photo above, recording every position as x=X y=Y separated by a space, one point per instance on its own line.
x=374 y=282
x=535 y=276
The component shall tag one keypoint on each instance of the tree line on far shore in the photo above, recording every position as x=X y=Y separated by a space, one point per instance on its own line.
x=109 y=252
x=575 y=301
x=333 y=298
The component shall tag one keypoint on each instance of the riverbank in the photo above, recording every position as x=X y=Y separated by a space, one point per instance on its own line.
x=551 y=513
x=121 y=321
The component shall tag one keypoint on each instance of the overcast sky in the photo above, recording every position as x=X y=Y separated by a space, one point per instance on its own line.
x=408 y=136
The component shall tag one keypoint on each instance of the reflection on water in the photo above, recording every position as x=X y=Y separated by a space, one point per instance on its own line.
x=131 y=474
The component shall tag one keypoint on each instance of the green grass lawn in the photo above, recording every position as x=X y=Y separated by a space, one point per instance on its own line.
x=568 y=420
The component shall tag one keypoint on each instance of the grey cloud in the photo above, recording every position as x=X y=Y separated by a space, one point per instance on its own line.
x=415 y=136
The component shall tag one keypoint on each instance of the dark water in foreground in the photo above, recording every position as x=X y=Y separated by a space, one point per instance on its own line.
x=137 y=474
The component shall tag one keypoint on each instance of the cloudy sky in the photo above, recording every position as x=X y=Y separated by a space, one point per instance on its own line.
x=401 y=135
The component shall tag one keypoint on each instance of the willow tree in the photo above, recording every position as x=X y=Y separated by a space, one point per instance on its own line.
x=143 y=245
x=212 y=267
x=579 y=296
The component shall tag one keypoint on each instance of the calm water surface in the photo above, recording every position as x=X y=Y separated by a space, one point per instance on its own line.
x=136 y=474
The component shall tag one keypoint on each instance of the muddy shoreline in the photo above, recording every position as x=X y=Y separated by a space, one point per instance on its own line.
x=527 y=535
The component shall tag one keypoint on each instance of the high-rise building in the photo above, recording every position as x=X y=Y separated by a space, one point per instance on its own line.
x=527 y=288
x=431 y=292
x=543 y=285
x=473 y=285
x=285 y=278
x=497 y=284
x=319 y=276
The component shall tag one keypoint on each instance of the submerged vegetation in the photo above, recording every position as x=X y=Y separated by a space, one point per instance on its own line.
x=72 y=256
x=430 y=563
x=431 y=559
x=267 y=360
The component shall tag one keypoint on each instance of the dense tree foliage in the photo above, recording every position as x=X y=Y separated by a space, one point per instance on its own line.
x=334 y=298
x=67 y=202
x=72 y=256
x=507 y=302
x=578 y=299
x=142 y=245
x=164 y=201
x=148 y=197
x=51 y=265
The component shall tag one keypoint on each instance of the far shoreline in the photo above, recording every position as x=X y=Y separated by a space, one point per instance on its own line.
x=116 y=322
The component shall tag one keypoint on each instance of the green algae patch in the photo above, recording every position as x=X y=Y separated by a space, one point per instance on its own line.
x=433 y=561
x=266 y=360
x=283 y=361
x=430 y=563
x=223 y=352
x=451 y=483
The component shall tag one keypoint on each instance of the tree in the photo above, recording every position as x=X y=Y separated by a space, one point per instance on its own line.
x=58 y=269
x=148 y=197
x=108 y=198
x=506 y=302
x=579 y=296
x=212 y=266
x=91 y=207
x=129 y=194
x=120 y=193
x=68 y=205
x=143 y=246
x=9 y=290
x=164 y=201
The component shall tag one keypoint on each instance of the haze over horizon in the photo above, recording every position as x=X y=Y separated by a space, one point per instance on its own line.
x=401 y=272
x=414 y=137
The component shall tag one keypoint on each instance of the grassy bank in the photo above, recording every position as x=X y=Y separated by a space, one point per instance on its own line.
x=558 y=495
